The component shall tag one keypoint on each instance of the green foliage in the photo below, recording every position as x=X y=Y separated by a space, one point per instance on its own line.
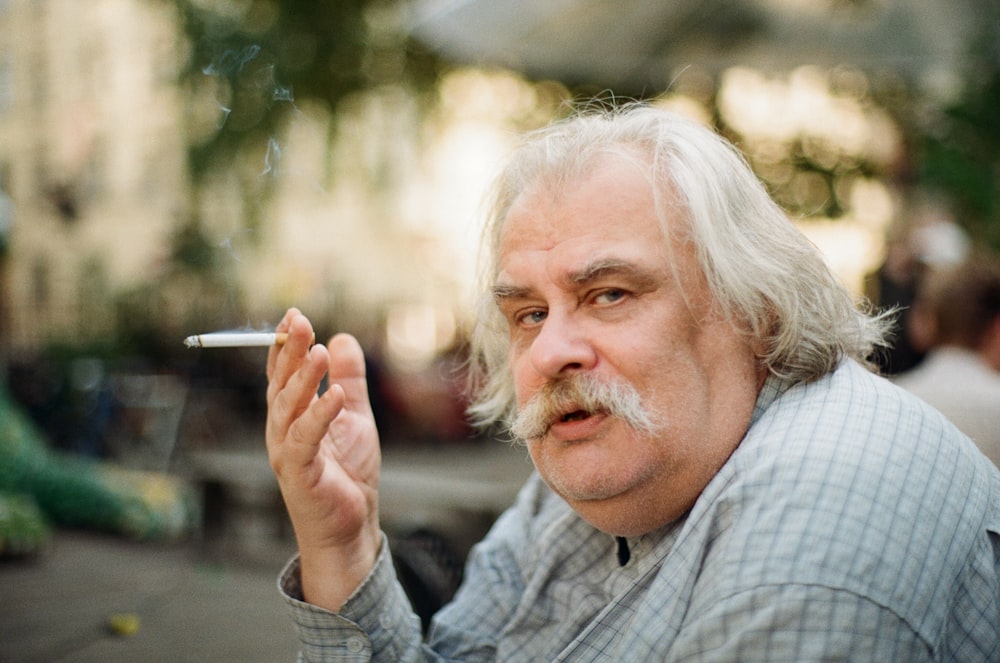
x=959 y=149
x=192 y=249
x=152 y=319
x=78 y=492
x=256 y=61
x=24 y=530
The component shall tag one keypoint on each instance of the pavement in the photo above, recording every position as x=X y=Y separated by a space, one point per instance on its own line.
x=182 y=602
x=94 y=598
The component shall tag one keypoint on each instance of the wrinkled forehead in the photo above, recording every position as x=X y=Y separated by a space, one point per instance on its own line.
x=610 y=218
x=550 y=173
x=556 y=182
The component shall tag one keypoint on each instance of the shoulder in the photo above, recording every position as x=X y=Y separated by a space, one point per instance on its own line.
x=854 y=442
x=855 y=486
x=963 y=388
x=852 y=418
x=952 y=372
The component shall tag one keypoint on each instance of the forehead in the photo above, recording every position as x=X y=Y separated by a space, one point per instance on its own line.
x=605 y=215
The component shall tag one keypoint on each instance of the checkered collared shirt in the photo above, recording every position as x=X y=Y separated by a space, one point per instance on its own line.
x=852 y=523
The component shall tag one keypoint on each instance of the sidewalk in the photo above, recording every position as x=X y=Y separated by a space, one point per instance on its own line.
x=56 y=607
x=220 y=603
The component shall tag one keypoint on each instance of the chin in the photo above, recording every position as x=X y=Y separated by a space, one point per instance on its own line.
x=611 y=503
x=580 y=488
x=621 y=501
x=623 y=516
x=597 y=469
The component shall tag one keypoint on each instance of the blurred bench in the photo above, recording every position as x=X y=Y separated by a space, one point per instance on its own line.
x=453 y=490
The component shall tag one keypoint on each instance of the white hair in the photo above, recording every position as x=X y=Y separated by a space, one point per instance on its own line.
x=767 y=278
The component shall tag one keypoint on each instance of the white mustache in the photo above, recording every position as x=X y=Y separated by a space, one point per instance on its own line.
x=581 y=392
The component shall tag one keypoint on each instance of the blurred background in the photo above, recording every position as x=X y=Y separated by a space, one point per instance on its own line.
x=173 y=167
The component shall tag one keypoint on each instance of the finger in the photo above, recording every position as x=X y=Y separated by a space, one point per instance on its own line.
x=291 y=356
x=272 y=354
x=347 y=368
x=306 y=432
x=289 y=402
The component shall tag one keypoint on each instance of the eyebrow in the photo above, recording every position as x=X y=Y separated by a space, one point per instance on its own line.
x=502 y=292
x=589 y=273
x=599 y=269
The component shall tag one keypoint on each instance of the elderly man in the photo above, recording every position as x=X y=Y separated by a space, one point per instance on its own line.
x=718 y=476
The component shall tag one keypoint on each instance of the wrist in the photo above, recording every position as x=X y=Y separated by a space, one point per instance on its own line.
x=331 y=574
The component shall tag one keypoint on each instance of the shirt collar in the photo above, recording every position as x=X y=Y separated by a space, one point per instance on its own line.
x=774 y=387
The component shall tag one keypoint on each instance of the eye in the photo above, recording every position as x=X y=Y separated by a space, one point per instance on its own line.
x=532 y=317
x=609 y=296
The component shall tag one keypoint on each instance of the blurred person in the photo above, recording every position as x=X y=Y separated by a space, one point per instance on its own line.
x=958 y=309
x=719 y=475
x=893 y=286
x=930 y=240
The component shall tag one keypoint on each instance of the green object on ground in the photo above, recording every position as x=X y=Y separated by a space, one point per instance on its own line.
x=79 y=492
x=124 y=624
x=24 y=530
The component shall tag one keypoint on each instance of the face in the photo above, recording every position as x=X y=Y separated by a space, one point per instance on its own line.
x=589 y=287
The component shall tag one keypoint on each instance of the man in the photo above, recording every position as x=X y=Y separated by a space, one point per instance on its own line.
x=718 y=477
x=961 y=374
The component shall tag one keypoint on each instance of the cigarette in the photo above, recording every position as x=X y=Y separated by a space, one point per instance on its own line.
x=236 y=340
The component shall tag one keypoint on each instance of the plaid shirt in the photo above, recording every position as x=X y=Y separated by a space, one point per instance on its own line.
x=852 y=523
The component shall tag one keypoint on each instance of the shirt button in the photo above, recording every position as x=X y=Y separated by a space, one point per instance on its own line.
x=355 y=645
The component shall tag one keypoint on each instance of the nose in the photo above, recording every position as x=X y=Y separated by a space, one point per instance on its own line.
x=561 y=347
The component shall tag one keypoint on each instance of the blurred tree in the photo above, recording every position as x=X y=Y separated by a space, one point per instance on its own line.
x=958 y=147
x=251 y=61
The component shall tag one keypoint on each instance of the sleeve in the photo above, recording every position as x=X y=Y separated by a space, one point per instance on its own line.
x=376 y=623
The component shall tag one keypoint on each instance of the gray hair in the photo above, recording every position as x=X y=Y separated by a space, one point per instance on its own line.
x=767 y=278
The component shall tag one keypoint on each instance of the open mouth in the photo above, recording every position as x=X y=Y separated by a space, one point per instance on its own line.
x=575 y=415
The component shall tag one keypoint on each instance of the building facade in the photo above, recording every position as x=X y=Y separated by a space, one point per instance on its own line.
x=91 y=160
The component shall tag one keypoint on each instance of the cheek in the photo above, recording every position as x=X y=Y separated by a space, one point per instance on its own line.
x=526 y=380
x=643 y=357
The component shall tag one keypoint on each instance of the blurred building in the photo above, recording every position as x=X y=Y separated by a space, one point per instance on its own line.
x=370 y=228
x=94 y=185
x=91 y=159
